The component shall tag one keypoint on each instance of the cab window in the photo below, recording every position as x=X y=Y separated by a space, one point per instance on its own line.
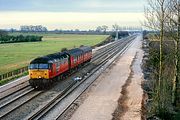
x=43 y=66
x=33 y=66
x=38 y=66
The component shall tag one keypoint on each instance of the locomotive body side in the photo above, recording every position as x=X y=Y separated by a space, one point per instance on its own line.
x=60 y=65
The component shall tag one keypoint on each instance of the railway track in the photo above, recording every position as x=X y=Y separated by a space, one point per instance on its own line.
x=43 y=113
x=15 y=104
x=101 y=53
x=22 y=83
x=19 y=83
x=14 y=86
x=18 y=95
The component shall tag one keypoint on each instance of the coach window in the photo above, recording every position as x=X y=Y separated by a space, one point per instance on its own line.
x=63 y=59
x=59 y=62
x=75 y=59
x=67 y=57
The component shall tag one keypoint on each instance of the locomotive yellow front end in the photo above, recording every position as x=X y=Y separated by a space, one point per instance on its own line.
x=39 y=74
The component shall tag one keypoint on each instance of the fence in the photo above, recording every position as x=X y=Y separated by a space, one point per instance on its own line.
x=14 y=73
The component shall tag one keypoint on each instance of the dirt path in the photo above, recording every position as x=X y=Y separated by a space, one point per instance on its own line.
x=130 y=103
x=102 y=99
x=134 y=91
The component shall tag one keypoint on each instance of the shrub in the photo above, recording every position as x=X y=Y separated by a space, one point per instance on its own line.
x=64 y=49
x=19 y=38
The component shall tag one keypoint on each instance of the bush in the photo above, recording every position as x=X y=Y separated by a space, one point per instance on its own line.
x=64 y=49
x=121 y=34
x=160 y=95
x=19 y=38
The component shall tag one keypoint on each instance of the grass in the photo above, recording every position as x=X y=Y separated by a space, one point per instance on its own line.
x=17 y=55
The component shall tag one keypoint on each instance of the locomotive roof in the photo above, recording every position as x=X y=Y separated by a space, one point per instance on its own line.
x=86 y=48
x=51 y=57
x=75 y=51
x=48 y=58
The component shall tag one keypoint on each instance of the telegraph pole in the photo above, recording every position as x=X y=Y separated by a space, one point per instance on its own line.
x=117 y=29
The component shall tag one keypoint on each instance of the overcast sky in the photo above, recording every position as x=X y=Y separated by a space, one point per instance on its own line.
x=70 y=14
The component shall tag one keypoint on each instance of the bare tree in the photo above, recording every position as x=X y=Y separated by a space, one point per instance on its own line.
x=173 y=27
x=104 y=28
x=99 y=29
x=115 y=27
x=155 y=14
x=31 y=28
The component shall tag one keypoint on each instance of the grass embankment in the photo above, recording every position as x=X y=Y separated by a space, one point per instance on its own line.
x=17 y=55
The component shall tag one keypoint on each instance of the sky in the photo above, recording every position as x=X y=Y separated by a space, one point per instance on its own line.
x=70 y=14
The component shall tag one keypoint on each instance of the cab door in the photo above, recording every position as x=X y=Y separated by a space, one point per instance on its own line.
x=53 y=73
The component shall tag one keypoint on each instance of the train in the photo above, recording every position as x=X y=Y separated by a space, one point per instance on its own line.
x=46 y=69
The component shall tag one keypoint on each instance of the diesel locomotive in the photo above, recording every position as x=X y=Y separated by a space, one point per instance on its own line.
x=44 y=70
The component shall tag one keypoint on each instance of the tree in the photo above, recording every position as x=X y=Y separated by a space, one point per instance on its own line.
x=31 y=28
x=116 y=28
x=104 y=28
x=173 y=27
x=156 y=18
x=99 y=29
x=3 y=33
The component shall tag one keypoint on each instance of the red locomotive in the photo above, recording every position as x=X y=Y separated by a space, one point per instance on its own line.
x=44 y=70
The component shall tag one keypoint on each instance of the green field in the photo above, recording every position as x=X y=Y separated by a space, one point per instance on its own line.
x=17 y=55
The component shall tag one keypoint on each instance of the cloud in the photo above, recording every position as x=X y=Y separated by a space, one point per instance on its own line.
x=72 y=5
x=68 y=20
